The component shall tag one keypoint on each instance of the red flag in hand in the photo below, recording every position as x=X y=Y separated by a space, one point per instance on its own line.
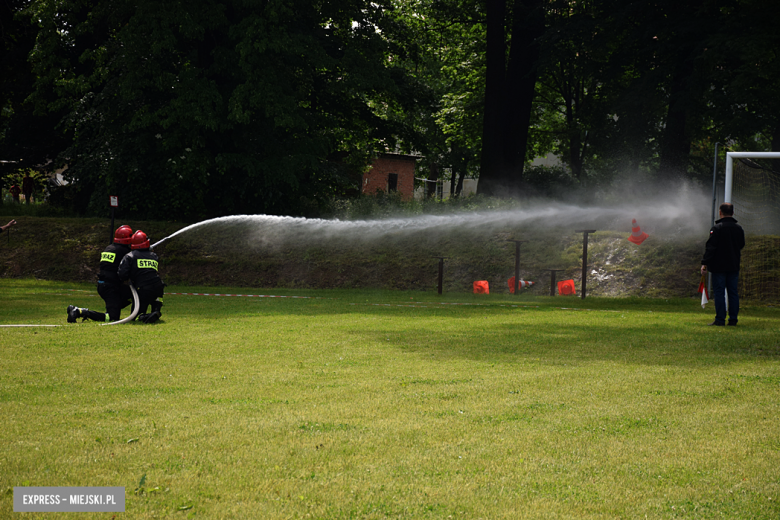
x=703 y=290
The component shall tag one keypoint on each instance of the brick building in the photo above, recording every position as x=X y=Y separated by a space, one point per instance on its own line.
x=389 y=173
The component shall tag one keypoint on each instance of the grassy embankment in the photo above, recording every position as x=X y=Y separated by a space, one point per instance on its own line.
x=67 y=250
x=390 y=404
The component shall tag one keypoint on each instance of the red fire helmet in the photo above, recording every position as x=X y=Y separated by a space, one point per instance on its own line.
x=123 y=235
x=140 y=240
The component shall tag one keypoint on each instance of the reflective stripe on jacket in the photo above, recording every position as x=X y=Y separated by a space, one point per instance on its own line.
x=110 y=259
x=140 y=267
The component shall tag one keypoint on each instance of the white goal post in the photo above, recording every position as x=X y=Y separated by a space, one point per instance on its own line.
x=730 y=156
x=753 y=186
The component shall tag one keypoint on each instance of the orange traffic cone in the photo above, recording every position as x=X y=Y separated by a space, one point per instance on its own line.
x=481 y=287
x=637 y=235
x=522 y=284
x=566 y=288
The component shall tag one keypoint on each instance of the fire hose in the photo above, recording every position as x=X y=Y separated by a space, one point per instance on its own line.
x=136 y=306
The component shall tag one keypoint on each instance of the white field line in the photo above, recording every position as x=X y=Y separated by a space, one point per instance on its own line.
x=30 y=325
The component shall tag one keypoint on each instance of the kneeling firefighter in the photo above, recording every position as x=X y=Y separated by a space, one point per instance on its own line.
x=116 y=294
x=140 y=267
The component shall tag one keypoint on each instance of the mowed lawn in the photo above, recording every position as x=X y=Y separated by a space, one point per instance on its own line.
x=377 y=404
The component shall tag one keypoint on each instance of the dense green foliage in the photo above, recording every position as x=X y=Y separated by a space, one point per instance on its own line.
x=216 y=107
x=212 y=107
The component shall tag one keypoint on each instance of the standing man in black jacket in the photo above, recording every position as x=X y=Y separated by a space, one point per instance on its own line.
x=116 y=294
x=721 y=257
x=140 y=267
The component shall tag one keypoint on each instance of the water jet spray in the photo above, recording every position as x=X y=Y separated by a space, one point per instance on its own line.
x=668 y=213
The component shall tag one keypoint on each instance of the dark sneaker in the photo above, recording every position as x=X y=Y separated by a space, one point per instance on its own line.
x=73 y=313
x=717 y=323
x=732 y=324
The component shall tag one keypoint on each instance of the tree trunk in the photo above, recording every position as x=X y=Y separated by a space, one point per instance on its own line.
x=575 y=139
x=461 y=176
x=575 y=155
x=432 y=181
x=509 y=94
x=453 y=175
x=491 y=167
x=676 y=141
x=522 y=74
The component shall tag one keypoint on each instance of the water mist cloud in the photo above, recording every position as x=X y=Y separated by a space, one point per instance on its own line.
x=683 y=213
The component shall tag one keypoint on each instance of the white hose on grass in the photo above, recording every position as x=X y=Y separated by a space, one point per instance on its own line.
x=136 y=306
x=31 y=326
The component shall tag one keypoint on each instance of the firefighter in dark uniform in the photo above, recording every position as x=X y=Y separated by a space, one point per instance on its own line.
x=116 y=294
x=140 y=267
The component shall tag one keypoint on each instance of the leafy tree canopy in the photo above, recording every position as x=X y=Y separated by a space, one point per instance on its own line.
x=211 y=107
x=201 y=108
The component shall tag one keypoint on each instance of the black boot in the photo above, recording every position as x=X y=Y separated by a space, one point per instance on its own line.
x=151 y=318
x=74 y=313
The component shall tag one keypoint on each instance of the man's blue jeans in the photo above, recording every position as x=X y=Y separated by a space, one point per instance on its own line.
x=722 y=283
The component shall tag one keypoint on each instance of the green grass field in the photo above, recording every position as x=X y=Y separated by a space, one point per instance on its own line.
x=372 y=404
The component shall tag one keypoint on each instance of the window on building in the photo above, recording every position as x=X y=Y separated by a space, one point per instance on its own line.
x=392 y=182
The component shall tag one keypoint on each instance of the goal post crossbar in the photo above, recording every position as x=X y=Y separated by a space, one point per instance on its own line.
x=730 y=156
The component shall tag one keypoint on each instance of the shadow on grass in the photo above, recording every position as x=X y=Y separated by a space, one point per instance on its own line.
x=682 y=344
x=495 y=329
x=645 y=332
